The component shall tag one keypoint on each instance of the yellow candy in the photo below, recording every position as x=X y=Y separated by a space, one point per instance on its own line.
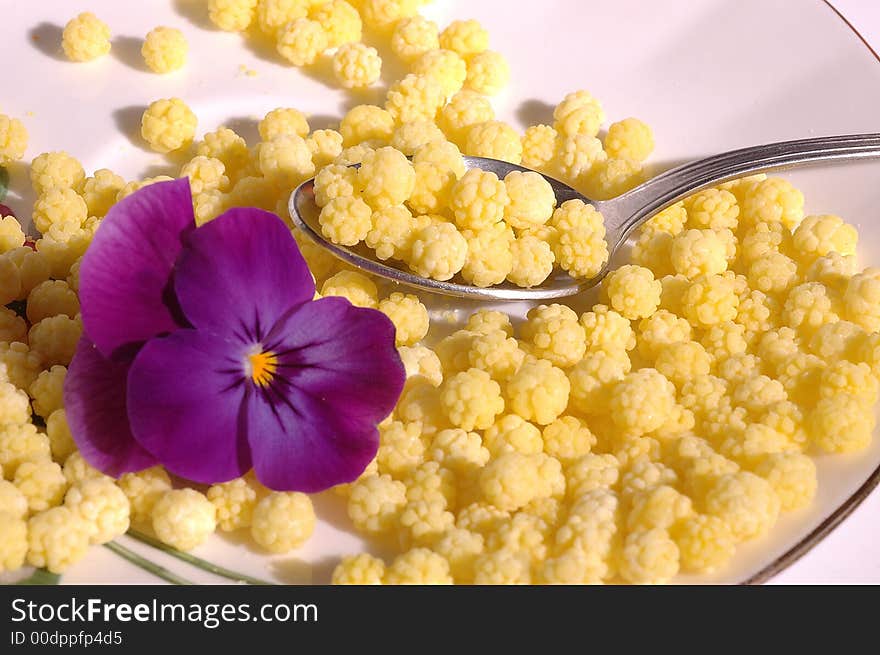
x=356 y=66
x=493 y=139
x=85 y=37
x=168 y=125
x=487 y=72
x=629 y=139
x=409 y=315
x=57 y=539
x=414 y=36
x=359 y=569
x=466 y=37
x=283 y=521
x=13 y=139
x=183 y=518
x=165 y=49
x=301 y=41
x=633 y=291
x=232 y=15
x=444 y=66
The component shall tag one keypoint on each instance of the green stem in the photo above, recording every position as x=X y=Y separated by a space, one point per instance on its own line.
x=196 y=561
x=40 y=577
x=4 y=183
x=146 y=564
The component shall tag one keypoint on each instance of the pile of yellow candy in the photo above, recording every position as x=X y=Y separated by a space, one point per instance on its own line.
x=458 y=222
x=645 y=437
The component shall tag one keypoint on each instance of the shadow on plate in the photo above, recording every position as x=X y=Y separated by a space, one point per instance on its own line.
x=171 y=169
x=46 y=38
x=330 y=507
x=294 y=571
x=393 y=68
x=374 y=95
x=21 y=195
x=535 y=112
x=127 y=49
x=321 y=71
x=261 y=46
x=243 y=539
x=323 y=122
x=195 y=11
x=128 y=121
x=245 y=127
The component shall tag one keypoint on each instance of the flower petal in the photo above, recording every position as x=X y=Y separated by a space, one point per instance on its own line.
x=342 y=353
x=185 y=395
x=241 y=272
x=339 y=375
x=94 y=398
x=303 y=443
x=125 y=273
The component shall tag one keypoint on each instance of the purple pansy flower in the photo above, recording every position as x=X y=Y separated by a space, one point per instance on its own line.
x=203 y=351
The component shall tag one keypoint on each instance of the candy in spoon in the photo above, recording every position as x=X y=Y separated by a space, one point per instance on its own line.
x=621 y=215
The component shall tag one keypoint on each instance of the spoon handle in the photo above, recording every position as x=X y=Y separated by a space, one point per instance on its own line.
x=634 y=207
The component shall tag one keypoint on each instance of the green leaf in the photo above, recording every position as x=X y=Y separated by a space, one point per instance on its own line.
x=4 y=183
x=41 y=576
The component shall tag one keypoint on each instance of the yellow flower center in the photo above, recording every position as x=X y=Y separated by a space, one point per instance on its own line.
x=262 y=367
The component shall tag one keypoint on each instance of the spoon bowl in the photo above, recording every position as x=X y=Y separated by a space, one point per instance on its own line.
x=304 y=212
x=622 y=214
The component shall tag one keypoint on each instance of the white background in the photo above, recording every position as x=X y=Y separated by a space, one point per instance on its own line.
x=864 y=15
